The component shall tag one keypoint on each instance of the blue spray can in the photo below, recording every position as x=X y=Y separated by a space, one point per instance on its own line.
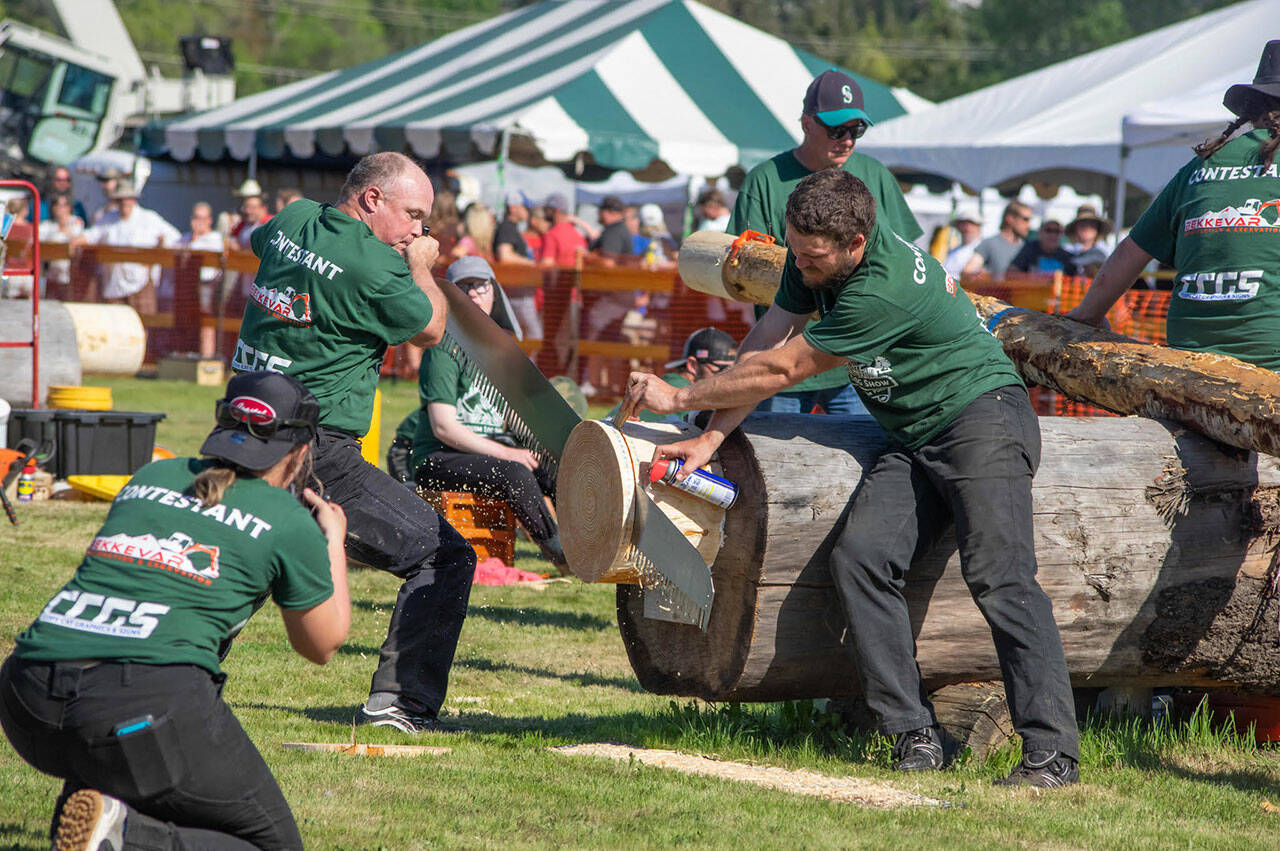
x=699 y=483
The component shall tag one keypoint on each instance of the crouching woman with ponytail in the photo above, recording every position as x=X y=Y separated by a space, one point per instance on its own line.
x=116 y=687
x=1218 y=224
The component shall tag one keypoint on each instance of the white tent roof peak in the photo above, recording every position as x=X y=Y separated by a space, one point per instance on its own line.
x=1068 y=116
x=641 y=85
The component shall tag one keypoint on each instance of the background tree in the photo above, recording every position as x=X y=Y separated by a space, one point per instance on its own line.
x=937 y=48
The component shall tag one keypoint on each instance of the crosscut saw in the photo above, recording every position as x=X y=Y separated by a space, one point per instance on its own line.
x=541 y=420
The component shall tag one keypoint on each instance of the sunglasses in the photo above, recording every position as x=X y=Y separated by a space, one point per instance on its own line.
x=477 y=287
x=716 y=366
x=844 y=131
x=229 y=416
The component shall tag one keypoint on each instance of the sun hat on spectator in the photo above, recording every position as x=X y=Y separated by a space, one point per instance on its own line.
x=557 y=201
x=967 y=214
x=249 y=189
x=124 y=189
x=1088 y=213
x=1247 y=100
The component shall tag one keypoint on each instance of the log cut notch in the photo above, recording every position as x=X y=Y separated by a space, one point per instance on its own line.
x=1157 y=547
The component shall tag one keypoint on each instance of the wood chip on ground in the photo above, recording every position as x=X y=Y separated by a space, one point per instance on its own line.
x=869 y=793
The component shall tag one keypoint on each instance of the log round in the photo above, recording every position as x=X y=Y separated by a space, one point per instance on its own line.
x=1156 y=546
x=595 y=499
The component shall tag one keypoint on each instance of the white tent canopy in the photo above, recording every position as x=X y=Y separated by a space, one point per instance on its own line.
x=1186 y=119
x=1062 y=124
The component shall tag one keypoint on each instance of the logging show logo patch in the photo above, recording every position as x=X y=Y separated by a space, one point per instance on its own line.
x=873 y=379
x=1253 y=216
x=177 y=553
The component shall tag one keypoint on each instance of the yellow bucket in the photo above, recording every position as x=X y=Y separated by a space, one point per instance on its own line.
x=80 y=397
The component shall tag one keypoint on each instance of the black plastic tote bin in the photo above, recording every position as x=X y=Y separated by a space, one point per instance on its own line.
x=90 y=443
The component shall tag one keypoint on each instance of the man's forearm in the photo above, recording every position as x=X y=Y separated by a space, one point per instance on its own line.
x=1115 y=277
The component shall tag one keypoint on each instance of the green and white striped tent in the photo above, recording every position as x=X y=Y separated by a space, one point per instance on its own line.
x=649 y=86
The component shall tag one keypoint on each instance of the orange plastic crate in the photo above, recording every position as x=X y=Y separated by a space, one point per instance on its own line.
x=487 y=524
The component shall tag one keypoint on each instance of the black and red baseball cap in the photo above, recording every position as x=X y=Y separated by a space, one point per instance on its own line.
x=261 y=418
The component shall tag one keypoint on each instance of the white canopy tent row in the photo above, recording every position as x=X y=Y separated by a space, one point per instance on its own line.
x=1063 y=124
x=653 y=87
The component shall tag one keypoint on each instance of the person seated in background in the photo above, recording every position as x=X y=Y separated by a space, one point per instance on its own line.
x=202 y=237
x=992 y=256
x=60 y=184
x=477 y=232
x=61 y=226
x=461 y=442
x=707 y=352
x=1045 y=254
x=286 y=196
x=116 y=688
x=713 y=211
x=614 y=241
x=1086 y=233
x=660 y=249
x=253 y=212
x=509 y=244
x=968 y=223
x=563 y=244
x=132 y=226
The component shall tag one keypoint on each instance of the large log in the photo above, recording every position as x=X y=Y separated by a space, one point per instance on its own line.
x=1157 y=547
x=1231 y=401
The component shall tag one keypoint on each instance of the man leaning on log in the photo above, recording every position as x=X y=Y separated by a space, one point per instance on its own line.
x=965 y=444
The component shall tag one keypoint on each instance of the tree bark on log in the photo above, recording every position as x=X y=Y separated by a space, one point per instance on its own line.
x=1233 y=402
x=1156 y=546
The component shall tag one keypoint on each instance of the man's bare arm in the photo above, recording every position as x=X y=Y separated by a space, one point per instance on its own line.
x=1115 y=277
x=421 y=257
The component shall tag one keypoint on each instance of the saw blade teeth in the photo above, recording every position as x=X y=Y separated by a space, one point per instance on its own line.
x=682 y=605
x=523 y=434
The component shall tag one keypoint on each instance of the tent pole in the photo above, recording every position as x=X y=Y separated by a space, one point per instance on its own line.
x=504 y=150
x=1118 y=212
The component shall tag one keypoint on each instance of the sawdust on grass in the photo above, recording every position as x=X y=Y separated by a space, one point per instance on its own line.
x=868 y=793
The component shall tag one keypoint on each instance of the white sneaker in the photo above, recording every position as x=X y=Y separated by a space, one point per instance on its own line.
x=91 y=821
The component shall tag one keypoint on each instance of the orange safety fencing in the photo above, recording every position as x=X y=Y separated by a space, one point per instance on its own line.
x=593 y=323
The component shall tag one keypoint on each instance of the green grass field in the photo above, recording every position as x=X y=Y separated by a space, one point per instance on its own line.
x=545 y=667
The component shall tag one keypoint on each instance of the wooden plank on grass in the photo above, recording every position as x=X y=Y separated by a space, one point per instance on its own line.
x=366 y=750
x=798 y=781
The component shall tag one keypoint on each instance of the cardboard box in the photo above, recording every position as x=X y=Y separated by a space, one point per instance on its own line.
x=208 y=373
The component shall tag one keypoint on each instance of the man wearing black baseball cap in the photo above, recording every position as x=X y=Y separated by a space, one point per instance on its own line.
x=707 y=352
x=834 y=117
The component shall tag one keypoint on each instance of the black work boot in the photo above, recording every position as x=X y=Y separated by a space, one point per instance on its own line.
x=1044 y=770
x=918 y=750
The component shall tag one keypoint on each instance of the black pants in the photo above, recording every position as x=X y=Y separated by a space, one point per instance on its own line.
x=389 y=527
x=193 y=779
x=978 y=472
x=495 y=478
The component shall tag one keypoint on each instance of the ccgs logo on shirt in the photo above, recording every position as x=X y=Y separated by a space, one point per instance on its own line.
x=1253 y=216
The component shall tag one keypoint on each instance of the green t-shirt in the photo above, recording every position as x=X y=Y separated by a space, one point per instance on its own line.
x=328 y=299
x=166 y=580
x=1218 y=223
x=918 y=352
x=675 y=379
x=762 y=206
x=409 y=425
x=442 y=379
